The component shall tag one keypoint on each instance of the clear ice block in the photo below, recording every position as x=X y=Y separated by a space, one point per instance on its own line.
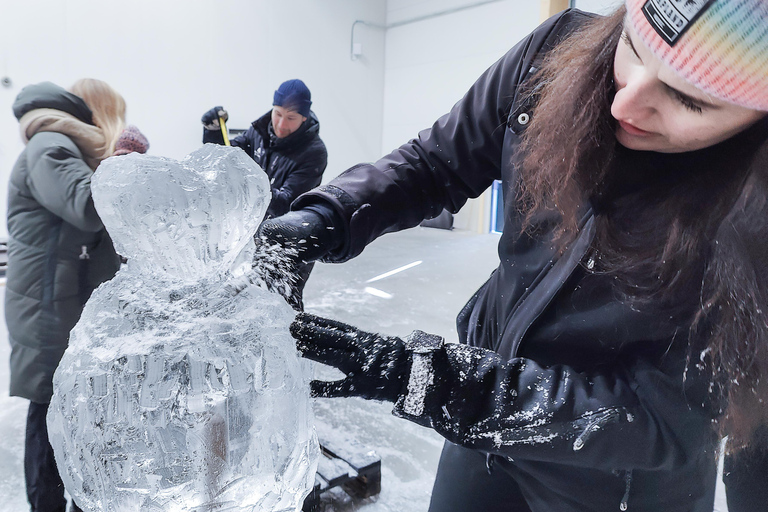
x=174 y=394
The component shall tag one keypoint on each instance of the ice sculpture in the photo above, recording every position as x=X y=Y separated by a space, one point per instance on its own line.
x=175 y=394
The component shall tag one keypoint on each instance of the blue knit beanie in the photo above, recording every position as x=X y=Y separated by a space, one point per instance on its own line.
x=293 y=95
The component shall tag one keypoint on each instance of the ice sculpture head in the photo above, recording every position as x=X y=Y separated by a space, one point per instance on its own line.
x=190 y=218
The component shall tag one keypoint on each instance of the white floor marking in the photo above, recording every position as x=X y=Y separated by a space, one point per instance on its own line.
x=378 y=293
x=393 y=272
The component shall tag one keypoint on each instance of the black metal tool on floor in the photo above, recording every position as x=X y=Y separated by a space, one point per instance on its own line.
x=357 y=473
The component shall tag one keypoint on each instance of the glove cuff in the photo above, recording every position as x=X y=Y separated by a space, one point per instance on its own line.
x=343 y=207
x=421 y=348
x=420 y=342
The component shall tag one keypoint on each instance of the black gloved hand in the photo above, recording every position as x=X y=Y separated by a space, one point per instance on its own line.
x=284 y=243
x=375 y=365
x=210 y=119
x=303 y=232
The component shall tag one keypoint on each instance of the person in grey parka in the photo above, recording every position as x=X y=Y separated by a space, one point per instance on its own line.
x=58 y=249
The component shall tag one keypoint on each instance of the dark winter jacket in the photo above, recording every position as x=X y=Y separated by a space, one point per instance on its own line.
x=58 y=250
x=586 y=401
x=294 y=164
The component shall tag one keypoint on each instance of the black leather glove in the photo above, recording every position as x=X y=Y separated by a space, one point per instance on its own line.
x=305 y=233
x=210 y=119
x=284 y=243
x=376 y=366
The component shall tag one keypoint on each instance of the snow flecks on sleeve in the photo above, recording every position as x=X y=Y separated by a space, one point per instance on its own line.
x=514 y=407
x=529 y=426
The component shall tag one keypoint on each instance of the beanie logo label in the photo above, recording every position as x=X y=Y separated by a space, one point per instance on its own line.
x=671 y=18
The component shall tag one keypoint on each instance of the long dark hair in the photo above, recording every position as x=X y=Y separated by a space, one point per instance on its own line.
x=658 y=243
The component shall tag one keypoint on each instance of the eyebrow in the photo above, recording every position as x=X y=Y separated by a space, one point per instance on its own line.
x=687 y=97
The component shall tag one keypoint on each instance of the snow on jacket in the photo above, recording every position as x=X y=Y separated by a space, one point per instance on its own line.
x=58 y=250
x=294 y=164
x=584 y=400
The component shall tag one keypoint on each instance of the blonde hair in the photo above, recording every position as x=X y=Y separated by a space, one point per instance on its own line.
x=107 y=105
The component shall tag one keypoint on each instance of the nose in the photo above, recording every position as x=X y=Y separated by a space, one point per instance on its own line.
x=635 y=98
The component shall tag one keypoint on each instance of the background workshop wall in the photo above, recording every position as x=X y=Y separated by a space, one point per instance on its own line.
x=436 y=49
x=174 y=59
x=598 y=6
x=379 y=70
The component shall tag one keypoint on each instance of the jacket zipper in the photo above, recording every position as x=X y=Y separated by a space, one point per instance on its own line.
x=489 y=462
x=627 y=484
x=83 y=290
x=602 y=419
x=578 y=250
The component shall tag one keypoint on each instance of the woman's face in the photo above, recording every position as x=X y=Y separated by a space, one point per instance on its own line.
x=657 y=110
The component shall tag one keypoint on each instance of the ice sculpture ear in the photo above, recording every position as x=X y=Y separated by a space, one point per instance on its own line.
x=187 y=218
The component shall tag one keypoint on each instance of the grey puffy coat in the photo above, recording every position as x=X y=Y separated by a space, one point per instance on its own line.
x=52 y=227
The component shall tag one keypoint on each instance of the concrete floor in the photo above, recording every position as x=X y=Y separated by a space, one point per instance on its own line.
x=426 y=296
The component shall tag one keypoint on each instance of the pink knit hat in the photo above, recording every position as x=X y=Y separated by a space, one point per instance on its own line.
x=720 y=46
x=131 y=141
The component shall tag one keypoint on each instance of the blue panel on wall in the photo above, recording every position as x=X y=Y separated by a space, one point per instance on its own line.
x=497 y=208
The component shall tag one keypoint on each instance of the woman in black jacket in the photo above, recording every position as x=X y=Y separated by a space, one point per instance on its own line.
x=624 y=330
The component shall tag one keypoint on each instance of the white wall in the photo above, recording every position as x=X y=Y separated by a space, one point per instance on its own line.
x=430 y=64
x=174 y=59
x=598 y=6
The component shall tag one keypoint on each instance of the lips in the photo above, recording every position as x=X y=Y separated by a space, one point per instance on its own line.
x=633 y=130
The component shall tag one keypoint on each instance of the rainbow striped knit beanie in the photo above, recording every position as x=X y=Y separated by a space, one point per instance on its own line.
x=720 y=46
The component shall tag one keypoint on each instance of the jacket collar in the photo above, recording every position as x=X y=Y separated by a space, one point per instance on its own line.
x=50 y=96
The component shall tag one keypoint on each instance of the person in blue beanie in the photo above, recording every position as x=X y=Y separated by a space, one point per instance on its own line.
x=286 y=143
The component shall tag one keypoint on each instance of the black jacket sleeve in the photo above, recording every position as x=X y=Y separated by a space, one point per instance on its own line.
x=454 y=160
x=628 y=416
x=307 y=175
x=744 y=475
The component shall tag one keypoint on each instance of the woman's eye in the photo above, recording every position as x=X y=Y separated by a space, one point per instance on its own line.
x=688 y=104
x=627 y=41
